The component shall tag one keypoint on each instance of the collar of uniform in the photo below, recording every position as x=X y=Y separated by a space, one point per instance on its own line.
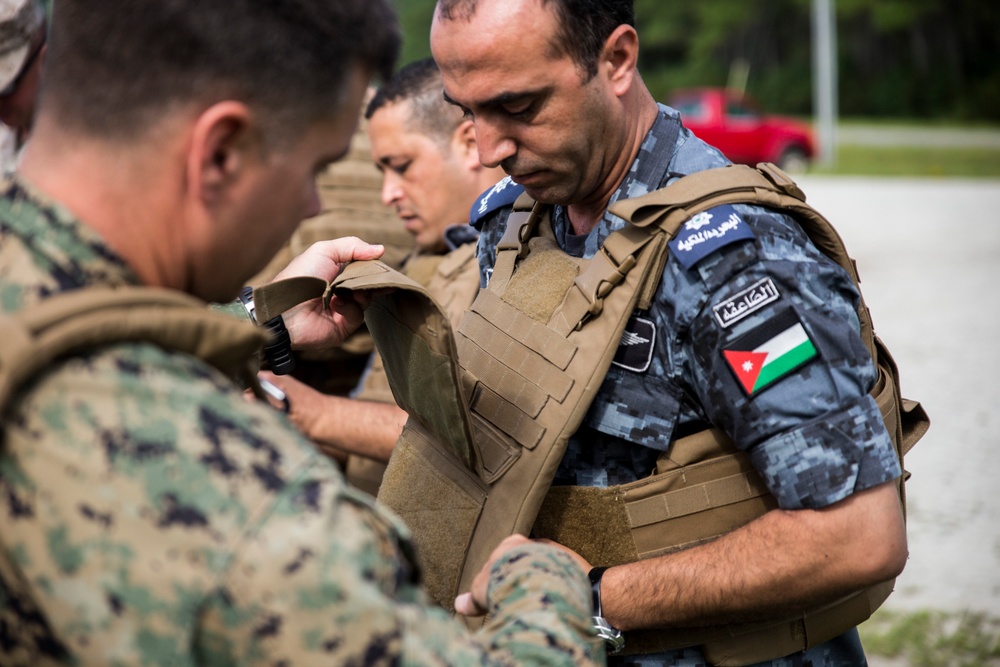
x=77 y=254
x=647 y=173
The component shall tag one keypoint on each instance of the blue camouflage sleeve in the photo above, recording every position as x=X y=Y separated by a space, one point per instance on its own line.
x=774 y=355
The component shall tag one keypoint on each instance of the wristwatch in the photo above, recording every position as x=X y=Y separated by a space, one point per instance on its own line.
x=278 y=351
x=611 y=635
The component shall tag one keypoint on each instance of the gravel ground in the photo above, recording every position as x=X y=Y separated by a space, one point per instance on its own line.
x=928 y=252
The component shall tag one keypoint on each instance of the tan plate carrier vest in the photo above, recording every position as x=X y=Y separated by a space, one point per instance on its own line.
x=533 y=350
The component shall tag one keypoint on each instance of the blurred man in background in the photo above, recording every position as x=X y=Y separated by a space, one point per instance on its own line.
x=431 y=175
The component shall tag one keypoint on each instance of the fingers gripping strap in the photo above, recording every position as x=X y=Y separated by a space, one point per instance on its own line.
x=275 y=298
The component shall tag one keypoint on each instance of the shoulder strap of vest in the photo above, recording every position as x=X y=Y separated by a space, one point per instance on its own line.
x=767 y=185
x=70 y=322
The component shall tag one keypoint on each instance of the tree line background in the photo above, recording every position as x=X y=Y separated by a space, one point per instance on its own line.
x=920 y=59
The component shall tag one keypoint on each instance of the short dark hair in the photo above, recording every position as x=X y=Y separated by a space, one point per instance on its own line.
x=584 y=25
x=419 y=83
x=113 y=67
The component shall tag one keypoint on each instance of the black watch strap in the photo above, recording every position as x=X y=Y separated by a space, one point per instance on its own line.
x=611 y=635
x=278 y=351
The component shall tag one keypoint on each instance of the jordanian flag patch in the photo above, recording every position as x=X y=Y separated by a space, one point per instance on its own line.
x=769 y=352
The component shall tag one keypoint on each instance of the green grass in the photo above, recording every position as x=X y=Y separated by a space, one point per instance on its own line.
x=933 y=638
x=914 y=161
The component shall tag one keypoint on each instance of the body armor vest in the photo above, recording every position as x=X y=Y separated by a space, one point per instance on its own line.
x=487 y=432
x=533 y=351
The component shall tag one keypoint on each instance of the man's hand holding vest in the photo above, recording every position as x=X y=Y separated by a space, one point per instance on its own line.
x=476 y=601
x=311 y=325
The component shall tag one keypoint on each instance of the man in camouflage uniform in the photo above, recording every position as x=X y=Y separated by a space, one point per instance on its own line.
x=558 y=103
x=149 y=515
x=431 y=175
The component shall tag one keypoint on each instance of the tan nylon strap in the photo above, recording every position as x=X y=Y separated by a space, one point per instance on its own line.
x=506 y=416
x=509 y=385
x=273 y=299
x=512 y=247
x=73 y=321
x=697 y=498
x=525 y=330
x=605 y=270
x=518 y=359
x=694 y=188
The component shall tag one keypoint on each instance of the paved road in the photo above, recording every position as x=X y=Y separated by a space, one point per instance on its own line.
x=928 y=252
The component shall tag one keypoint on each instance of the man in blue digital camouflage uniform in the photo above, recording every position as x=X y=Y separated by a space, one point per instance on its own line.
x=149 y=514
x=557 y=102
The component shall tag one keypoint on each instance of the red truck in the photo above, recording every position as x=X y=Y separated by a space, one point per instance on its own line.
x=732 y=122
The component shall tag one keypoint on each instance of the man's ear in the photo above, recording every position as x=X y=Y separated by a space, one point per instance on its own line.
x=463 y=143
x=223 y=142
x=620 y=58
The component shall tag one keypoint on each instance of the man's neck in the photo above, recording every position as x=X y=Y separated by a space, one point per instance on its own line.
x=587 y=213
x=111 y=192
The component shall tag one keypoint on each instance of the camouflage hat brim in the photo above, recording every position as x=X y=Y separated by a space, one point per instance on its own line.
x=10 y=64
x=16 y=34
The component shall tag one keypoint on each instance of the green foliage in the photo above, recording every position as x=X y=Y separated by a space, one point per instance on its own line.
x=861 y=160
x=415 y=19
x=933 y=639
x=897 y=58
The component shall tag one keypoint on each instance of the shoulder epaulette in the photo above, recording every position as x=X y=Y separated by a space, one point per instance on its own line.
x=500 y=195
x=456 y=236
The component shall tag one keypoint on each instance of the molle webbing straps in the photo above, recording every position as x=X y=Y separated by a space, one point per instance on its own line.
x=529 y=375
x=70 y=322
x=475 y=461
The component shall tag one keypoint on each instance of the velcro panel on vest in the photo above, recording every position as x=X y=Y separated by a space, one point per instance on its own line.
x=605 y=270
x=540 y=284
x=451 y=501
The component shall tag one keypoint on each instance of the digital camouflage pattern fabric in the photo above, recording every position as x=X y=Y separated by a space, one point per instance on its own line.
x=733 y=275
x=150 y=515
